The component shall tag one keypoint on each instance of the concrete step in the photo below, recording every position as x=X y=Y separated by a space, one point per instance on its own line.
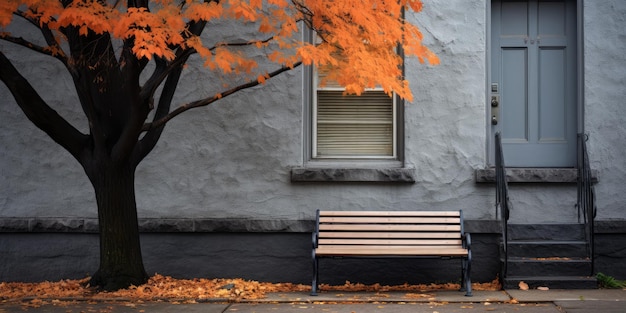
x=557 y=232
x=552 y=282
x=521 y=266
x=547 y=248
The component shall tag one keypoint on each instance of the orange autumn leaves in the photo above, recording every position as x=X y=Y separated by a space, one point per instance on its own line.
x=166 y=288
x=159 y=287
x=360 y=38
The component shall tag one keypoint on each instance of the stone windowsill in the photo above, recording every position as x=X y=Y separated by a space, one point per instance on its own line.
x=533 y=175
x=380 y=175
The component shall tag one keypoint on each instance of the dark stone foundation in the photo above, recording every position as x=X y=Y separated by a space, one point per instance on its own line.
x=274 y=251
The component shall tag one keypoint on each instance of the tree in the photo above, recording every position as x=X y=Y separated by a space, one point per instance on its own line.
x=108 y=45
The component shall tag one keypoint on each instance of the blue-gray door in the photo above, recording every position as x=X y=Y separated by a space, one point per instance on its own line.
x=533 y=100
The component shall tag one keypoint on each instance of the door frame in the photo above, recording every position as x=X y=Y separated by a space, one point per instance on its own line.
x=580 y=84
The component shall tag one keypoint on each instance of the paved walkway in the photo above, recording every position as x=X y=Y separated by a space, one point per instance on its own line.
x=531 y=301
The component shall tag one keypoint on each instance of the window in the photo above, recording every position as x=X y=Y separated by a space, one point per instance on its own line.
x=351 y=138
x=351 y=126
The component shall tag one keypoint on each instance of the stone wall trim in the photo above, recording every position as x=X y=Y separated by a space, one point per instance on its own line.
x=384 y=175
x=533 y=175
x=184 y=225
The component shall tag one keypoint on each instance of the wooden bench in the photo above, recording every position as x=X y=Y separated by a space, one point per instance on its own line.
x=392 y=234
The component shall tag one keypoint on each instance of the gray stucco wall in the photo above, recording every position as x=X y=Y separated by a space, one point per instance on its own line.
x=605 y=102
x=236 y=159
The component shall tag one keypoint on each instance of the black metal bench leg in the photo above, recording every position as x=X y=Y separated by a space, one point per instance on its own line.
x=315 y=275
x=467 y=276
x=463 y=276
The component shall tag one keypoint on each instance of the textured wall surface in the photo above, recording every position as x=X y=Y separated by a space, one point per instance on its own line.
x=233 y=160
x=605 y=102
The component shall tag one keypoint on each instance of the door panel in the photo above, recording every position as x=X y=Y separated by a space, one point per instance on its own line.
x=533 y=67
x=516 y=16
x=552 y=106
x=514 y=73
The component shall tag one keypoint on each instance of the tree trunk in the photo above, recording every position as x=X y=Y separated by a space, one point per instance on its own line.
x=121 y=264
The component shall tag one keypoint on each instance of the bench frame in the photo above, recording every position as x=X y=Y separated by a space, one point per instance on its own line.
x=392 y=234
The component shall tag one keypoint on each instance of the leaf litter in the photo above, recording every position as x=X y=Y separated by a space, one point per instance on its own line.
x=166 y=288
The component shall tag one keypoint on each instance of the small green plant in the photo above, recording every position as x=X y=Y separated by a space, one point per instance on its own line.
x=610 y=282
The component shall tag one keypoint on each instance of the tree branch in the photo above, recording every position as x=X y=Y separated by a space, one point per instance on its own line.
x=242 y=44
x=57 y=54
x=83 y=51
x=171 y=72
x=46 y=33
x=136 y=112
x=38 y=111
x=152 y=136
x=206 y=101
x=162 y=70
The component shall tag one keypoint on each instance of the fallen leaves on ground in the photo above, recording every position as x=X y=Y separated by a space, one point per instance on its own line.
x=348 y=286
x=166 y=288
x=523 y=286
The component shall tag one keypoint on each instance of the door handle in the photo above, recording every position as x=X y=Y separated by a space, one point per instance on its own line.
x=495 y=109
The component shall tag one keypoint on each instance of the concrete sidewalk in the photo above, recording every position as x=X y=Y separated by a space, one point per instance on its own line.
x=551 y=301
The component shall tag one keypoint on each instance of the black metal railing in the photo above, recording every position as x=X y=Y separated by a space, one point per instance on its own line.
x=502 y=200
x=586 y=196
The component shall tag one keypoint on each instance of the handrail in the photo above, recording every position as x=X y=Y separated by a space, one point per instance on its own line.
x=502 y=199
x=586 y=196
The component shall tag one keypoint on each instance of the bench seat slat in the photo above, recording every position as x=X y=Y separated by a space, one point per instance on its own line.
x=390 y=220
x=390 y=251
x=389 y=213
x=407 y=235
x=380 y=227
x=422 y=242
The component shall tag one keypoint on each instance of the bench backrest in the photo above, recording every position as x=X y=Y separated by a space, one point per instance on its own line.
x=432 y=229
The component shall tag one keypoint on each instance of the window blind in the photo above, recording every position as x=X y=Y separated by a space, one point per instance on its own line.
x=354 y=126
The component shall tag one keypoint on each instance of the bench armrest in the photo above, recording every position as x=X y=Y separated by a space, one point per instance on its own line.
x=316 y=231
x=314 y=239
x=467 y=241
